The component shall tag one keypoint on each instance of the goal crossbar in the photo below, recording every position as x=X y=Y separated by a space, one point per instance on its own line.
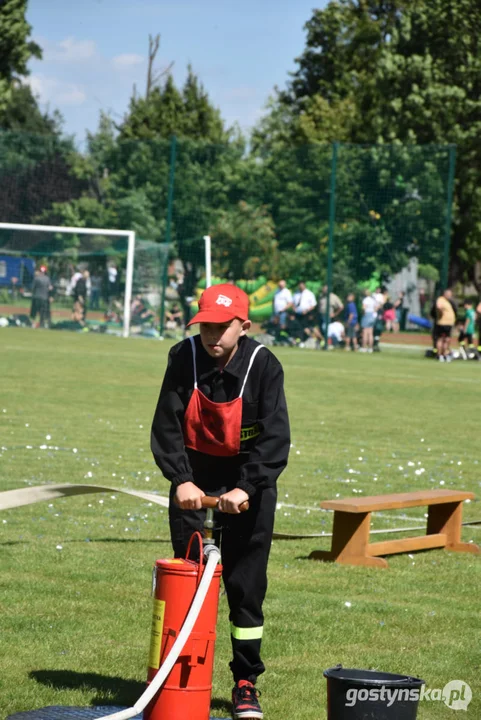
x=129 y=234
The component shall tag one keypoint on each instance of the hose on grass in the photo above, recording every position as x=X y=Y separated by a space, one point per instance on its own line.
x=28 y=496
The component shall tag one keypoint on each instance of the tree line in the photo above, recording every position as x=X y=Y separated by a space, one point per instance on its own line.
x=396 y=84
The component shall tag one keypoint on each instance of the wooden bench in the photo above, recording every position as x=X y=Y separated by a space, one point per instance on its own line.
x=352 y=521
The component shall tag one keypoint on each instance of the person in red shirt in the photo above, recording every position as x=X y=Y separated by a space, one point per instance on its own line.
x=221 y=428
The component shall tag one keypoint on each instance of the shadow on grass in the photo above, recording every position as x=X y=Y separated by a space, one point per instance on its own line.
x=120 y=540
x=109 y=690
x=221 y=704
x=399 y=553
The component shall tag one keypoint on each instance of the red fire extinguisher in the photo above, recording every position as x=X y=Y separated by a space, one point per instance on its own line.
x=186 y=693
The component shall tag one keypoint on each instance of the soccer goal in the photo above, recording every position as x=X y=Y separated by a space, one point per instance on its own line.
x=121 y=276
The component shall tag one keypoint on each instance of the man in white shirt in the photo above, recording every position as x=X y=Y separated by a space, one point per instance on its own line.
x=304 y=304
x=304 y=300
x=281 y=303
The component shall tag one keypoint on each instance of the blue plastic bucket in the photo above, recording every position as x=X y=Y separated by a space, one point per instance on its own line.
x=371 y=695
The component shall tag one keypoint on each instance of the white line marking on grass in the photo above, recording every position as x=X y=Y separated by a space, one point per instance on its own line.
x=389 y=516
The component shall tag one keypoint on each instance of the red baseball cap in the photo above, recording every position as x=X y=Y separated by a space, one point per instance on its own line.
x=221 y=303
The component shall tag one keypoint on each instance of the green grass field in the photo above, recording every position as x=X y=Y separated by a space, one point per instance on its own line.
x=75 y=574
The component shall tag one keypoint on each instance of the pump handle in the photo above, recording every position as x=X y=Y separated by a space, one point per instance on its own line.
x=212 y=502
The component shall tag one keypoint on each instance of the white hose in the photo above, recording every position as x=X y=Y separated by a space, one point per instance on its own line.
x=212 y=553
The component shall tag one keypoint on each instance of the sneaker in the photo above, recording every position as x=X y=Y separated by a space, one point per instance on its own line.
x=441 y=358
x=244 y=701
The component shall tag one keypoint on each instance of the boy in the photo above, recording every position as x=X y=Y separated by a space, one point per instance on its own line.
x=221 y=428
x=468 y=328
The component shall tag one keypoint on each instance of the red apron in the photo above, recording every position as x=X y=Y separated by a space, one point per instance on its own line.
x=210 y=427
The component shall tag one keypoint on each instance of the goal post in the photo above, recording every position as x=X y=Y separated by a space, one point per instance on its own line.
x=107 y=232
x=208 y=260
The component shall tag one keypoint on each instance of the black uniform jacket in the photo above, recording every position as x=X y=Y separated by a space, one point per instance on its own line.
x=265 y=437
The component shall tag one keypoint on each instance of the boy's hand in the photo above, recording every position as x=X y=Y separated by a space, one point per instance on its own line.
x=188 y=496
x=230 y=502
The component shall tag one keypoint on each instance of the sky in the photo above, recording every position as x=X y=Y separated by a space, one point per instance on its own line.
x=95 y=51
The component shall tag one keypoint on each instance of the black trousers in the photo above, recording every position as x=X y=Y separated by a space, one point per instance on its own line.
x=245 y=545
x=42 y=307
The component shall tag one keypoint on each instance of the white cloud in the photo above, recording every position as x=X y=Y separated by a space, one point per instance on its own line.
x=51 y=90
x=74 y=50
x=241 y=93
x=126 y=60
x=69 y=50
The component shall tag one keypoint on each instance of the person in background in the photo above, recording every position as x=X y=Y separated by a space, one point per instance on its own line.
x=336 y=307
x=336 y=334
x=304 y=303
x=33 y=304
x=79 y=310
x=96 y=287
x=41 y=289
x=296 y=331
x=380 y=298
x=423 y=302
x=478 y=315
x=445 y=321
x=112 y=282
x=174 y=317
x=114 y=313
x=281 y=303
x=469 y=326
x=186 y=290
x=401 y=308
x=369 y=308
x=77 y=274
x=14 y=288
x=352 y=322
x=389 y=315
x=140 y=312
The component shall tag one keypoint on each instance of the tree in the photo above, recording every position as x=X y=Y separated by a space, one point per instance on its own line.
x=398 y=71
x=34 y=171
x=166 y=111
x=128 y=168
x=15 y=48
x=244 y=242
x=429 y=87
x=22 y=114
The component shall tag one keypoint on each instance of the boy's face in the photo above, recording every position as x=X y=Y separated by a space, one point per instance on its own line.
x=220 y=339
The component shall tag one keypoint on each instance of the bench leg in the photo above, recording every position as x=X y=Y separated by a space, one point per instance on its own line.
x=446 y=518
x=350 y=540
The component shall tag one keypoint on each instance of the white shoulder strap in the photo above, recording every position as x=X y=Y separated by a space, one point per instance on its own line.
x=192 y=342
x=259 y=347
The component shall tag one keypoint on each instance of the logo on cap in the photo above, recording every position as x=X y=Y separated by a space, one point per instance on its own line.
x=223 y=300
